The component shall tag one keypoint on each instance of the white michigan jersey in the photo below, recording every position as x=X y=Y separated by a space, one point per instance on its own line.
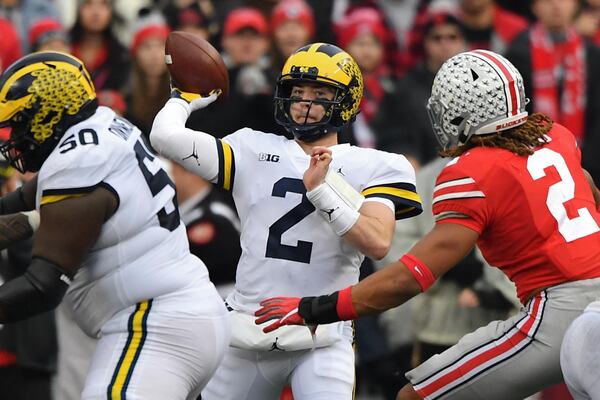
x=142 y=251
x=287 y=248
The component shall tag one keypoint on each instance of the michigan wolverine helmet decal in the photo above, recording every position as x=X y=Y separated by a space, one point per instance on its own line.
x=477 y=92
x=41 y=96
x=326 y=64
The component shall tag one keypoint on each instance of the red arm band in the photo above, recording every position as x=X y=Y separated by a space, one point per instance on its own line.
x=344 y=307
x=420 y=271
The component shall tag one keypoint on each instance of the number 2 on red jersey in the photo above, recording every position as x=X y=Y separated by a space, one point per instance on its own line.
x=559 y=193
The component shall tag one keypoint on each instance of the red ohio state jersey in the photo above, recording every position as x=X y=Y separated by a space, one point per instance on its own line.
x=535 y=215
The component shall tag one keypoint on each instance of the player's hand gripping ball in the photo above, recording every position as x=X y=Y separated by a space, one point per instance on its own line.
x=195 y=65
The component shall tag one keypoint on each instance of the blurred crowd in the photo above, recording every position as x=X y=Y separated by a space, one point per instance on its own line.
x=399 y=46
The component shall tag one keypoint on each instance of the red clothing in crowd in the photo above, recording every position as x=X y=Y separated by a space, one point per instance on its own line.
x=10 y=46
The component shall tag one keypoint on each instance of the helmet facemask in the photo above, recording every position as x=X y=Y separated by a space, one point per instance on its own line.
x=323 y=65
x=303 y=130
x=436 y=108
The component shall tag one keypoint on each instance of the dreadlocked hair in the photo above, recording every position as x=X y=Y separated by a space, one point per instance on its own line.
x=521 y=140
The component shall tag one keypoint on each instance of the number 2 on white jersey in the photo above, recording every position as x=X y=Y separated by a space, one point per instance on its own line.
x=559 y=193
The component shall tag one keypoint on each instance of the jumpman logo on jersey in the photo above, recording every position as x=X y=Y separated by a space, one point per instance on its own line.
x=275 y=347
x=329 y=211
x=194 y=154
x=339 y=171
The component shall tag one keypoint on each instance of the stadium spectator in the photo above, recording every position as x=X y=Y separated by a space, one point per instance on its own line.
x=487 y=26
x=50 y=35
x=192 y=18
x=412 y=29
x=392 y=48
x=363 y=35
x=245 y=38
x=519 y=7
x=10 y=48
x=24 y=13
x=559 y=68
x=402 y=121
x=94 y=42
x=148 y=86
x=112 y=99
x=292 y=26
x=587 y=21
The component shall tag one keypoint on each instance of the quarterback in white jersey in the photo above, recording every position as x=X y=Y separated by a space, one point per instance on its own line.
x=310 y=209
x=110 y=236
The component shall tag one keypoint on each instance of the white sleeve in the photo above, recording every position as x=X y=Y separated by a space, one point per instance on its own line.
x=194 y=150
x=394 y=181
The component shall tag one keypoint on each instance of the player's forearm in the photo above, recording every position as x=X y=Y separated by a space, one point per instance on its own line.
x=370 y=236
x=194 y=150
x=385 y=289
x=367 y=226
x=16 y=227
x=381 y=291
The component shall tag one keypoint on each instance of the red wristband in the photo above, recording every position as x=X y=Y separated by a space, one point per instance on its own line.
x=420 y=271
x=344 y=307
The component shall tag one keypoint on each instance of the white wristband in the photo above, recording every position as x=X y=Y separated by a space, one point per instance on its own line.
x=332 y=207
x=33 y=217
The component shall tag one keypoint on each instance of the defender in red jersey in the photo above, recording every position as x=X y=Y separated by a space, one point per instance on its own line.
x=514 y=187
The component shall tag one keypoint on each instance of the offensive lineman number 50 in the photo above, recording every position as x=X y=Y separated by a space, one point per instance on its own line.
x=559 y=193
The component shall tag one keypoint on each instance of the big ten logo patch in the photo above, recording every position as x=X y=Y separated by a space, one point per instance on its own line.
x=268 y=157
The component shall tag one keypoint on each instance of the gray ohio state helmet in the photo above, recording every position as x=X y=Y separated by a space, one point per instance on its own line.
x=475 y=93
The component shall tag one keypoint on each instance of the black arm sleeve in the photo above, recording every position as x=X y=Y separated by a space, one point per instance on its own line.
x=13 y=202
x=319 y=310
x=41 y=288
x=22 y=199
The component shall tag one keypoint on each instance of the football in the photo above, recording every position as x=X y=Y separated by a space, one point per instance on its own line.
x=195 y=65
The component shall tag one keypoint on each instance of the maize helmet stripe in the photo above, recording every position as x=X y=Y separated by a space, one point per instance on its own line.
x=324 y=59
x=507 y=77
